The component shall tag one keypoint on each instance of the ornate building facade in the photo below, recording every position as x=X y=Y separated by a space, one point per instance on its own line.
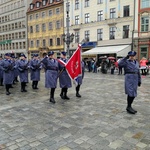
x=101 y=22
x=45 y=27
x=142 y=43
x=13 y=29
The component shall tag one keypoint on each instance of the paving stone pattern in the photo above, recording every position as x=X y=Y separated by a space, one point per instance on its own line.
x=96 y=121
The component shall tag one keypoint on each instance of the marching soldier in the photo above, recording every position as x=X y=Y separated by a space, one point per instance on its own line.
x=35 y=67
x=22 y=66
x=132 y=78
x=79 y=81
x=51 y=74
x=7 y=72
x=64 y=79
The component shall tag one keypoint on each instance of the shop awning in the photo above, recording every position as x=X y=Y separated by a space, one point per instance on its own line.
x=120 y=50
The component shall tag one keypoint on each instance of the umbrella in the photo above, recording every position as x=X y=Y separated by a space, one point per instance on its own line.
x=111 y=58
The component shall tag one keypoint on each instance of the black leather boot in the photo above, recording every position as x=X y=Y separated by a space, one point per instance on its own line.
x=77 y=91
x=52 y=100
x=62 y=93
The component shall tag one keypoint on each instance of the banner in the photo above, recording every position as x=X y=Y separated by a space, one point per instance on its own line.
x=73 y=66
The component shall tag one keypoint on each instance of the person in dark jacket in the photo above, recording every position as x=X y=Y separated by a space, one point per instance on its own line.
x=7 y=68
x=1 y=71
x=51 y=74
x=79 y=81
x=132 y=78
x=35 y=67
x=64 y=79
x=23 y=66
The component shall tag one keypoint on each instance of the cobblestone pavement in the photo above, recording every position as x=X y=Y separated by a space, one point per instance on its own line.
x=96 y=121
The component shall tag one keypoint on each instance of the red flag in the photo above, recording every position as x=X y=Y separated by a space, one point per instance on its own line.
x=73 y=66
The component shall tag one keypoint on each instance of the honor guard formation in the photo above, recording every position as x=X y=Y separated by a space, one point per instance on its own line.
x=12 y=68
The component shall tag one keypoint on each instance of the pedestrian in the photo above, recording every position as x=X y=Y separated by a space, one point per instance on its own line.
x=7 y=67
x=143 y=65
x=79 y=81
x=1 y=71
x=51 y=74
x=23 y=67
x=35 y=67
x=132 y=78
x=64 y=79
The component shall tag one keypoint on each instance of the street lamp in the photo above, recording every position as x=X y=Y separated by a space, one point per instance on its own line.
x=67 y=38
x=132 y=46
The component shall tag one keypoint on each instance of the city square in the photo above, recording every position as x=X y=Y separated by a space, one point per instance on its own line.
x=96 y=121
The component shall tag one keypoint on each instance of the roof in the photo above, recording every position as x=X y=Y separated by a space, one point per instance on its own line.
x=48 y=4
x=120 y=50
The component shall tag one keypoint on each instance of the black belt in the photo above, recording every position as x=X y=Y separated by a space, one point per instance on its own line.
x=131 y=73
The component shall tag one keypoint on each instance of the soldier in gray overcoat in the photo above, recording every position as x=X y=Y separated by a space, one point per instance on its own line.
x=64 y=79
x=23 y=66
x=79 y=80
x=35 y=67
x=132 y=78
x=7 y=67
x=51 y=73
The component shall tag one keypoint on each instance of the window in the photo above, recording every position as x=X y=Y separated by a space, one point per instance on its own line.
x=87 y=18
x=76 y=4
x=99 y=34
x=144 y=52
x=50 y=26
x=112 y=13
x=32 y=44
x=37 y=28
x=57 y=24
x=44 y=2
x=31 y=6
x=87 y=35
x=43 y=27
x=37 y=4
x=31 y=29
x=112 y=33
x=99 y=1
x=112 y=0
x=145 y=24
x=44 y=43
x=145 y=3
x=43 y=14
x=58 y=41
x=77 y=38
x=126 y=11
x=68 y=6
x=76 y=20
x=100 y=15
x=50 y=12
x=30 y=17
x=126 y=31
x=57 y=11
x=87 y=3
x=36 y=16
x=51 y=1
x=50 y=42
x=37 y=43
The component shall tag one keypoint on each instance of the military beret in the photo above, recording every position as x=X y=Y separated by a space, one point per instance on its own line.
x=35 y=55
x=64 y=53
x=50 y=53
x=7 y=54
x=131 y=53
x=22 y=55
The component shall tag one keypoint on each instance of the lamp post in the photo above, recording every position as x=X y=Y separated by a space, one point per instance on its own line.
x=67 y=38
x=133 y=26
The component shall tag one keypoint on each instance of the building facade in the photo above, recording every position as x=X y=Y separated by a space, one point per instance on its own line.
x=45 y=27
x=101 y=22
x=142 y=43
x=13 y=29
